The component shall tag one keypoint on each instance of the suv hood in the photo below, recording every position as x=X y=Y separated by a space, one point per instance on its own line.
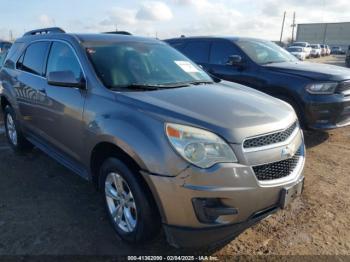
x=232 y=111
x=314 y=71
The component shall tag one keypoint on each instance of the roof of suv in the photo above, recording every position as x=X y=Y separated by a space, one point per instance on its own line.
x=232 y=38
x=86 y=37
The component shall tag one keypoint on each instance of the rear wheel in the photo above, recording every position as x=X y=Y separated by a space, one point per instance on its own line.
x=129 y=206
x=14 y=134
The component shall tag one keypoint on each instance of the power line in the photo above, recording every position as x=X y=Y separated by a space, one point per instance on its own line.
x=293 y=26
x=284 y=18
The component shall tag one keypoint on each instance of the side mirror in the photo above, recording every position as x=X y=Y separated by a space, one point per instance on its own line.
x=235 y=60
x=65 y=78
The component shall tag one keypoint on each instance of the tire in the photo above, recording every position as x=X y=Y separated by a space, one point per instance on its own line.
x=297 y=110
x=14 y=133
x=138 y=219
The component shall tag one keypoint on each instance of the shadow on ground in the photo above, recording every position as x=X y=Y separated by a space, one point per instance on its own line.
x=315 y=138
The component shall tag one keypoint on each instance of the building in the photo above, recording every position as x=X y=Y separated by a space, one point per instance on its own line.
x=332 y=34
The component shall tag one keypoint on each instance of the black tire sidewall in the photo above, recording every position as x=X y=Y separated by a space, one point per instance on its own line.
x=147 y=220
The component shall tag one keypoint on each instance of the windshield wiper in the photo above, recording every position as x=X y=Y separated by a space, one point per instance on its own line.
x=137 y=86
x=195 y=82
x=272 y=62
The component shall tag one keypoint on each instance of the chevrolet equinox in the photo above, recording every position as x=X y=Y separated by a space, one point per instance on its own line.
x=168 y=146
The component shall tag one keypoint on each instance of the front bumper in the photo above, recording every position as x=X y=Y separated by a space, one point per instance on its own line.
x=199 y=237
x=234 y=185
x=328 y=111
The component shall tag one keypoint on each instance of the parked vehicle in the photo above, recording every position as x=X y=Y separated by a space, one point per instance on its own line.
x=4 y=47
x=305 y=45
x=347 y=58
x=165 y=143
x=328 y=50
x=297 y=51
x=323 y=50
x=118 y=32
x=337 y=50
x=319 y=93
x=316 y=50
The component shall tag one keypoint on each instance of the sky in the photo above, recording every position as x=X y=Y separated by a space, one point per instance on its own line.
x=169 y=18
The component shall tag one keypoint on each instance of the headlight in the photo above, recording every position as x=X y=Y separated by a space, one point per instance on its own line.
x=321 y=88
x=199 y=147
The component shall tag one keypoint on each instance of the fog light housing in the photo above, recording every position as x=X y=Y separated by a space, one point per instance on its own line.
x=208 y=210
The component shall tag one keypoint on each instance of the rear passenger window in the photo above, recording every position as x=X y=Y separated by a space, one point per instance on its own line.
x=34 y=58
x=62 y=58
x=221 y=51
x=197 y=51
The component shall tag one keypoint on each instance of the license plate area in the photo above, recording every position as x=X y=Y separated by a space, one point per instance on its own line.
x=290 y=193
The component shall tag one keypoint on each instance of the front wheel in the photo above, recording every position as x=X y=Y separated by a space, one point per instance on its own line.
x=129 y=205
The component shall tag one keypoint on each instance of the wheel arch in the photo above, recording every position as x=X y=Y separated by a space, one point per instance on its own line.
x=4 y=102
x=104 y=150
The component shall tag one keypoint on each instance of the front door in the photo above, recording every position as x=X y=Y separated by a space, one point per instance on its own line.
x=220 y=52
x=63 y=122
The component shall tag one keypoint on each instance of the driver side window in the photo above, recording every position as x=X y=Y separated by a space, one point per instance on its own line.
x=62 y=58
x=221 y=51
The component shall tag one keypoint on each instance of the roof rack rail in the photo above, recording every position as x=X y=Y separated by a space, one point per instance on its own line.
x=44 y=31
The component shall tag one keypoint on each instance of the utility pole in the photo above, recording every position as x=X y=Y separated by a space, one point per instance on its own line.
x=293 y=26
x=284 y=18
x=10 y=36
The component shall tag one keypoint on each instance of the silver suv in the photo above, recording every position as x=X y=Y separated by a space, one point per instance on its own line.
x=167 y=145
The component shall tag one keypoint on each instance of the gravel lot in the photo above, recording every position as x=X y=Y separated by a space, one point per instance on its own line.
x=45 y=209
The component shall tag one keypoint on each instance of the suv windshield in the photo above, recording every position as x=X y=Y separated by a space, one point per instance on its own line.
x=265 y=52
x=134 y=65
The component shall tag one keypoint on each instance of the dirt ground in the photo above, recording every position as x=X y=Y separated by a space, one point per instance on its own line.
x=45 y=209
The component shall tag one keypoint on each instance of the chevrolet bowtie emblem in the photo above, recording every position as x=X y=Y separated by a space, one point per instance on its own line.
x=288 y=151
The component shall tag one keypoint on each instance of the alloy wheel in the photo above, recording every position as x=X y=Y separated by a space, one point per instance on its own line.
x=11 y=129
x=120 y=202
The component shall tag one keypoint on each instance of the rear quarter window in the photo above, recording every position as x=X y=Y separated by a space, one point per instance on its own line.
x=12 y=55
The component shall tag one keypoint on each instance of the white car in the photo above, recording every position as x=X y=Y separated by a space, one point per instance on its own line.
x=316 y=50
x=297 y=51
x=305 y=45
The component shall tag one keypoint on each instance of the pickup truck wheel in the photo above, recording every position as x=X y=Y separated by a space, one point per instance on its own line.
x=130 y=210
x=13 y=131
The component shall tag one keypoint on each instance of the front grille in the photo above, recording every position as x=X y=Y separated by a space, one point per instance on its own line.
x=278 y=169
x=270 y=139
